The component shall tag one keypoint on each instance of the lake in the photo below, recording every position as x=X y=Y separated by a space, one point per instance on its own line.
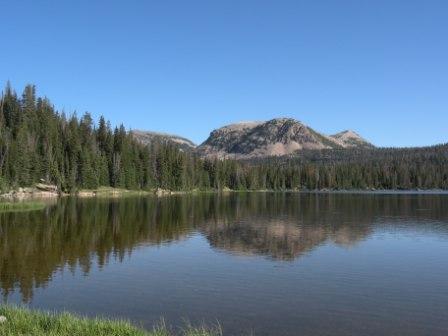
x=259 y=263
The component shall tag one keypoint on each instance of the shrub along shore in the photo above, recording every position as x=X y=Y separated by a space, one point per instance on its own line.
x=32 y=193
x=22 y=321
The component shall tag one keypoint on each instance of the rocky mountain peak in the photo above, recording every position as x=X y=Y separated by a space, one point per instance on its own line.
x=275 y=137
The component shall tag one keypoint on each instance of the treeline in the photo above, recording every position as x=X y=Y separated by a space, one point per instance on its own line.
x=344 y=169
x=39 y=143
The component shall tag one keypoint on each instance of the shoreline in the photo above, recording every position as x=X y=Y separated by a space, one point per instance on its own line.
x=28 y=194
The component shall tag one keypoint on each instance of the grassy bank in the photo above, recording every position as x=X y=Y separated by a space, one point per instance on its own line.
x=22 y=321
x=20 y=206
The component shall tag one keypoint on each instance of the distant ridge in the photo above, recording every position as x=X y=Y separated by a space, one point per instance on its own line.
x=350 y=138
x=148 y=137
x=257 y=139
x=276 y=137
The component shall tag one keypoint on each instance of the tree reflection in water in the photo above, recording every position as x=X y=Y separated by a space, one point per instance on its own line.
x=281 y=226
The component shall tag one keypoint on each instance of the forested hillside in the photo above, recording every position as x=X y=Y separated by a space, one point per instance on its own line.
x=361 y=168
x=38 y=142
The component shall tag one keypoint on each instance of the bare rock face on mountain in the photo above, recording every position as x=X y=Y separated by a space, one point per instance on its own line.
x=276 y=137
x=223 y=141
x=147 y=137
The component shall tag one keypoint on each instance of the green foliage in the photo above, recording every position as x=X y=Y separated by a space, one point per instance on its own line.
x=37 y=142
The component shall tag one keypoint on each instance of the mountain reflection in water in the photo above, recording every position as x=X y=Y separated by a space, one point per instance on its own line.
x=282 y=227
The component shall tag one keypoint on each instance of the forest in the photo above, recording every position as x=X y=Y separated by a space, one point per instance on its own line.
x=38 y=142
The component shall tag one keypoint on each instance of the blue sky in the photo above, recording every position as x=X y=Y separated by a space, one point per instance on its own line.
x=187 y=67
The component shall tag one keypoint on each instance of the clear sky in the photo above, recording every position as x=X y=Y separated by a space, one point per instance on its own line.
x=187 y=67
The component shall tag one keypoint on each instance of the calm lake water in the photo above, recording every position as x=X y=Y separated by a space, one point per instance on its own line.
x=259 y=263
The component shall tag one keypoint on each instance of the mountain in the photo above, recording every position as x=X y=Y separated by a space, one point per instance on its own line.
x=147 y=137
x=276 y=137
x=349 y=139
